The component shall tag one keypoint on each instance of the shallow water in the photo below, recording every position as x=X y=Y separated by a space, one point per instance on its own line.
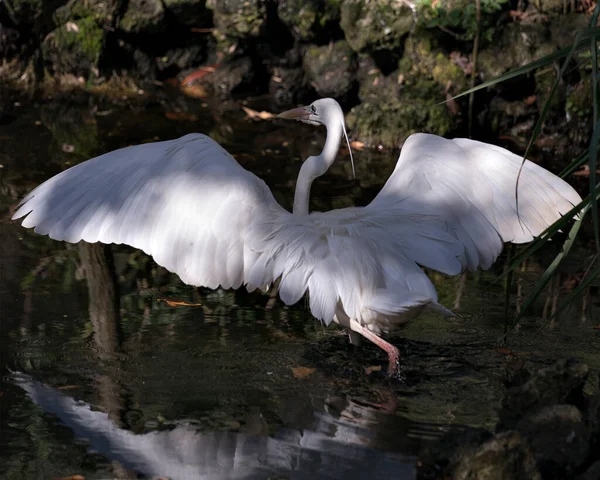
x=103 y=378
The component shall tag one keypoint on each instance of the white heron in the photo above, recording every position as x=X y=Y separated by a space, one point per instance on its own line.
x=449 y=206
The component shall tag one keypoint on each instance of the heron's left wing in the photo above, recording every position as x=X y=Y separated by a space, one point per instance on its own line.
x=471 y=185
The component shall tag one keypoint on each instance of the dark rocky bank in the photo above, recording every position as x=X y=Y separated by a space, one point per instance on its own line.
x=390 y=63
x=549 y=429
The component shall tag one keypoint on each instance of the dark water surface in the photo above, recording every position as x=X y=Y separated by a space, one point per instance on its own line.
x=103 y=378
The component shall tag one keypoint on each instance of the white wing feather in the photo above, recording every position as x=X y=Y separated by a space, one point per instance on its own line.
x=449 y=205
x=471 y=186
x=186 y=202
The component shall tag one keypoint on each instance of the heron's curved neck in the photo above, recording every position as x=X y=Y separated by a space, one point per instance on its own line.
x=314 y=167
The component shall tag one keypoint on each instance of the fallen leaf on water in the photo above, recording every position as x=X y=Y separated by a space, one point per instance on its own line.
x=356 y=145
x=67 y=387
x=198 y=74
x=372 y=368
x=181 y=116
x=178 y=303
x=584 y=172
x=195 y=91
x=301 y=372
x=503 y=351
x=72 y=27
x=256 y=114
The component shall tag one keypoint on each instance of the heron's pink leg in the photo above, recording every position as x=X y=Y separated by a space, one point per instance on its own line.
x=393 y=353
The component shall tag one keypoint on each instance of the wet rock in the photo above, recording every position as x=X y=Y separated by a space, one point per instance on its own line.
x=312 y=20
x=332 y=69
x=507 y=456
x=442 y=458
x=143 y=16
x=559 y=438
x=74 y=47
x=561 y=383
x=375 y=25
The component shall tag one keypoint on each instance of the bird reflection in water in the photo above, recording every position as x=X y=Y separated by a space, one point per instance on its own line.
x=335 y=446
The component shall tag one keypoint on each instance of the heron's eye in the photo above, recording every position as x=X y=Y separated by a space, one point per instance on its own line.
x=313 y=109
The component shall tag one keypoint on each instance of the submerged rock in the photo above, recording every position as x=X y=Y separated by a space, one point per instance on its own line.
x=559 y=437
x=332 y=69
x=506 y=456
x=561 y=383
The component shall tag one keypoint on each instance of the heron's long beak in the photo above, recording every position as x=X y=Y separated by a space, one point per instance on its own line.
x=300 y=113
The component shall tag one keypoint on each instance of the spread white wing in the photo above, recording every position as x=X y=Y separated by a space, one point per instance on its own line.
x=448 y=206
x=471 y=185
x=186 y=202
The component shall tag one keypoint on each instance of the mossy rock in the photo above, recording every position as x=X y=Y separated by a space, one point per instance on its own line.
x=460 y=17
x=550 y=6
x=74 y=47
x=515 y=45
x=375 y=24
x=389 y=112
x=424 y=58
x=308 y=19
x=238 y=18
x=564 y=29
x=143 y=16
x=579 y=99
x=331 y=69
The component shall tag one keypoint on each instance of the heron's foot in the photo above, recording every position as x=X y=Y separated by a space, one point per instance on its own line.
x=393 y=362
x=392 y=352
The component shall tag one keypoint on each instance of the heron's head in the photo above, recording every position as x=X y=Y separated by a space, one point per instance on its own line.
x=320 y=112
x=325 y=111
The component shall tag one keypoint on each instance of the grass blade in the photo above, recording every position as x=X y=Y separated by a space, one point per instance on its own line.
x=582 y=159
x=587 y=281
x=594 y=142
x=551 y=270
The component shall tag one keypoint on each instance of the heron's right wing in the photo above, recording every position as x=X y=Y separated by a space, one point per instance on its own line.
x=186 y=202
